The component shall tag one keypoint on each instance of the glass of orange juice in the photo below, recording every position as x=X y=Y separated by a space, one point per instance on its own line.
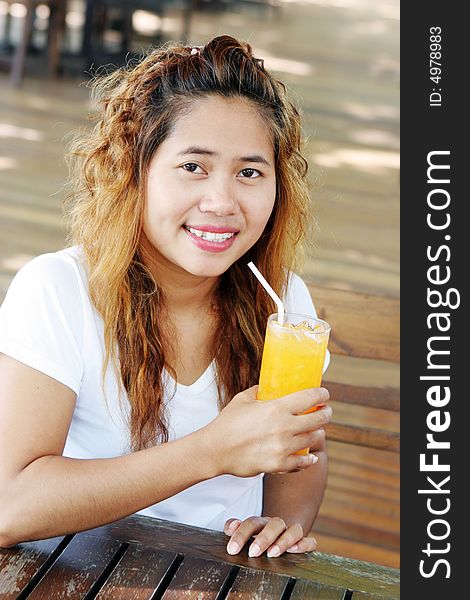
x=293 y=356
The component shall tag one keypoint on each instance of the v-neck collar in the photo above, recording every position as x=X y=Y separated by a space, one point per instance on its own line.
x=199 y=385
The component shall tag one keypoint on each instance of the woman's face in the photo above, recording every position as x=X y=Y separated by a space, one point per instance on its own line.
x=211 y=187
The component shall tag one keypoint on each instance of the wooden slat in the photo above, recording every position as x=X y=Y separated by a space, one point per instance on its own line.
x=378 y=462
x=138 y=575
x=77 y=569
x=355 y=371
x=386 y=398
x=365 y=522
x=365 y=417
x=382 y=508
x=359 y=488
x=366 y=479
x=371 y=438
x=198 y=579
x=257 y=584
x=361 y=325
x=350 y=462
x=20 y=564
x=308 y=590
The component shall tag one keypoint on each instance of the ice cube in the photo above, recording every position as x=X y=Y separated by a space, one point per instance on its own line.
x=303 y=325
x=287 y=325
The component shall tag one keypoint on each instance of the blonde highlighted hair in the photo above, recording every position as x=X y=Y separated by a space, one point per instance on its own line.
x=138 y=106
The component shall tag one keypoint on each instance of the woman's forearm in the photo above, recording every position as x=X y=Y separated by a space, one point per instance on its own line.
x=56 y=495
x=296 y=497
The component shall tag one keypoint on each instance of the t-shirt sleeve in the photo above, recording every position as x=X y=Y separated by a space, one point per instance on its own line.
x=41 y=320
x=299 y=300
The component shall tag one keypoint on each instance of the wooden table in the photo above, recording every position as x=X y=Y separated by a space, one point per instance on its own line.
x=142 y=558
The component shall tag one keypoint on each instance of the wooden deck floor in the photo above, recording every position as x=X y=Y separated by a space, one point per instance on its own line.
x=340 y=61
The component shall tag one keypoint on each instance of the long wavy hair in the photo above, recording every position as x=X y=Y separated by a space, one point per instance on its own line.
x=136 y=108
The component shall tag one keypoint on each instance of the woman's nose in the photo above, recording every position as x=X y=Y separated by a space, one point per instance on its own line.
x=219 y=197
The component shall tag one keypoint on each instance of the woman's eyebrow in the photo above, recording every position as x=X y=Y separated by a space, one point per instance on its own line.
x=255 y=158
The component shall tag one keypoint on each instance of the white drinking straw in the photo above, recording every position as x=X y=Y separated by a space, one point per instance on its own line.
x=271 y=292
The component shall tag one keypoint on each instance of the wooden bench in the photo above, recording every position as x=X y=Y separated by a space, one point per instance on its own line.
x=359 y=516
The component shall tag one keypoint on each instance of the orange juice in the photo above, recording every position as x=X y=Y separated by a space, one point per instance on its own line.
x=293 y=356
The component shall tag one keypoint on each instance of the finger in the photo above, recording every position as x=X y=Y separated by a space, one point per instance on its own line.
x=299 y=402
x=312 y=421
x=291 y=536
x=315 y=440
x=297 y=462
x=231 y=526
x=244 y=531
x=267 y=536
x=306 y=544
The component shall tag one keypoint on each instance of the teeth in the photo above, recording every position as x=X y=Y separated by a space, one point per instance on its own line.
x=212 y=237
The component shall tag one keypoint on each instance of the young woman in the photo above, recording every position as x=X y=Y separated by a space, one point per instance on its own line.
x=130 y=359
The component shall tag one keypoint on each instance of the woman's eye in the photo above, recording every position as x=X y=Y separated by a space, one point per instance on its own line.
x=250 y=173
x=192 y=168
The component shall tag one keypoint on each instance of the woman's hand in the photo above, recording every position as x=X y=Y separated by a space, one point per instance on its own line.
x=271 y=534
x=249 y=437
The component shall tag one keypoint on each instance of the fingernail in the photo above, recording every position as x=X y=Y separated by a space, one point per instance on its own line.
x=233 y=525
x=293 y=548
x=233 y=547
x=274 y=551
x=254 y=550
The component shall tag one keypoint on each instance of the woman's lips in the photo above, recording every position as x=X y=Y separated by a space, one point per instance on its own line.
x=209 y=246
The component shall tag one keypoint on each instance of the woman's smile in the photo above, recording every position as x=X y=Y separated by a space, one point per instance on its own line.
x=210 y=238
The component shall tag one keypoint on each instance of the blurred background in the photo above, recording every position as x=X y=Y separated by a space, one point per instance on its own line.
x=340 y=61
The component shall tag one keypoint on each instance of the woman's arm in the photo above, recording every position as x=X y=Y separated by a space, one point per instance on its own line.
x=43 y=494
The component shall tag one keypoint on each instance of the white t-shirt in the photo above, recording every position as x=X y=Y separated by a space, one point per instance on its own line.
x=47 y=321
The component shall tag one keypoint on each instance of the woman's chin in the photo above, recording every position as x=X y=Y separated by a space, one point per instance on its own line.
x=207 y=271
x=209 y=266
